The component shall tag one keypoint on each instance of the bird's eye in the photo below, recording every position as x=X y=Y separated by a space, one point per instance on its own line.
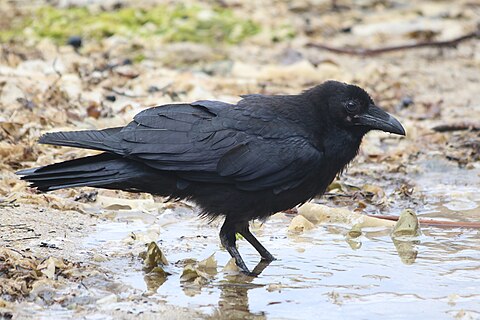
x=351 y=106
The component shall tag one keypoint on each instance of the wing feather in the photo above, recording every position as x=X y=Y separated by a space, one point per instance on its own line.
x=209 y=141
x=281 y=165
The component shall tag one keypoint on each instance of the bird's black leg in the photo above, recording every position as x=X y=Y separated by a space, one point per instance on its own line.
x=260 y=267
x=227 y=237
x=245 y=232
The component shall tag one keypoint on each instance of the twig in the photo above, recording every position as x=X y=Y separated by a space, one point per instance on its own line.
x=291 y=211
x=54 y=66
x=18 y=225
x=84 y=285
x=337 y=194
x=123 y=93
x=54 y=83
x=376 y=51
x=21 y=239
x=457 y=127
x=15 y=250
x=9 y=205
x=435 y=223
x=58 y=73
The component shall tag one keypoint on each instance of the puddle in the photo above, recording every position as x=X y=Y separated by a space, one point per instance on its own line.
x=450 y=192
x=319 y=269
x=435 y=276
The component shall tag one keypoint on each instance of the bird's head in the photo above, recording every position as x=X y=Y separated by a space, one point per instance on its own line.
x=353 y=109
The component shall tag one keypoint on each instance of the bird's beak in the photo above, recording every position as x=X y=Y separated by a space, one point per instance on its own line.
x=377 y=119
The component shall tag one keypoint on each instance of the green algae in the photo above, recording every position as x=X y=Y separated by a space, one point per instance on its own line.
x=171 y=23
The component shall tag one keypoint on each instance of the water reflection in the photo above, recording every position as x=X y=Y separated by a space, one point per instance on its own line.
x=390 y=276
x=406 y=249
x=354 y=243
x=154 y=280
x=233 y=302
x=406 y=246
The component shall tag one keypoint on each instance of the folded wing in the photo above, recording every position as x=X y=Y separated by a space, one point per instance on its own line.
x=209 y=141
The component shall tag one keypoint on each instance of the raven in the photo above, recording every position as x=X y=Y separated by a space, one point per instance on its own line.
x=242 y=161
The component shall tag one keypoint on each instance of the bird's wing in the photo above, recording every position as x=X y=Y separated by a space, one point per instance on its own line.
x=278 y=164
x=211 y=141
x=182 y=137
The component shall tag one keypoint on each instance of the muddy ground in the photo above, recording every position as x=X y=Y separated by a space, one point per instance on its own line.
x=78 y=253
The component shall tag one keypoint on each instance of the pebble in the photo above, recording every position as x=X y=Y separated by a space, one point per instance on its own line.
x=75 y=41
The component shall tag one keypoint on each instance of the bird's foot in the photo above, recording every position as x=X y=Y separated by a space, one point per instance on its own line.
x=249 y=274
x=242 y=266
x=258 y=268
x=268 y=257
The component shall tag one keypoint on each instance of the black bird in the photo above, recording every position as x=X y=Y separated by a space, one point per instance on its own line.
x=245 y=161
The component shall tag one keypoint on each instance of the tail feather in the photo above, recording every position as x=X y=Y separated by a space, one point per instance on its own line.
x=99 y=170
x=75 y=166
x=87 y=139
x=52 y=185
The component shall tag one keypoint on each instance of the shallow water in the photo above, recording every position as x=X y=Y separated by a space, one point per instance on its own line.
x=319 y=270
x=319 y=274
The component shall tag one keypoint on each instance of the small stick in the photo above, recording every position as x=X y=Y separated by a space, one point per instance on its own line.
x=21 y=239
x=19 y=225
x=376 y=51
x=123 y=93
x=291 y=211
x=457 y=127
